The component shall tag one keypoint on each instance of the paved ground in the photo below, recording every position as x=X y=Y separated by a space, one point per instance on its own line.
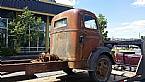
x=57 y=76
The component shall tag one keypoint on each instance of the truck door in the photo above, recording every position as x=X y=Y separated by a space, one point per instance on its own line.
x=90 y=36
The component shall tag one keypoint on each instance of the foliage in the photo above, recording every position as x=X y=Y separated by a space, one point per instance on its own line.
x=103 y=25
x=143 y=37
x=7 y=52
x=24 y=27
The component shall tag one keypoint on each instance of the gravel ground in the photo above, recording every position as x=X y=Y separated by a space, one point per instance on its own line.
x=57 y=76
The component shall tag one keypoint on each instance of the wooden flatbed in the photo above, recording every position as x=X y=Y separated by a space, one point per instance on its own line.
x=32 y=68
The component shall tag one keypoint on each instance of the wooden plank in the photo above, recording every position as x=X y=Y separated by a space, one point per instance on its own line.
x=32 y=68
x=15 y=61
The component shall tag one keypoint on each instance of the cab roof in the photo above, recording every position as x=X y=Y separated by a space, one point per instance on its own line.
x=72 y=11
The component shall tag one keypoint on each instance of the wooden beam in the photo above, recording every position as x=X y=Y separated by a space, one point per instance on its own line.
x=15 y=9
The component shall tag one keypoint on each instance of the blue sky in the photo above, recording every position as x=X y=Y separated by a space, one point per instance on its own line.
x=126 y=18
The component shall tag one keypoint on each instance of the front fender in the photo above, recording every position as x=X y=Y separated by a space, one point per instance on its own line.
x=96 y=53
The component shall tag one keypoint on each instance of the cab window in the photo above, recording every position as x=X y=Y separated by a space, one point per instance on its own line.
x=60 y=23
x=89 y=22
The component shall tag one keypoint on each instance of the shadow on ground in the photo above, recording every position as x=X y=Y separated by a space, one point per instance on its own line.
x=17 y=78
x=79 y=77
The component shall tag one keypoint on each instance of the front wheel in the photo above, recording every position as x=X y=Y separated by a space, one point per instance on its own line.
x=101 y=69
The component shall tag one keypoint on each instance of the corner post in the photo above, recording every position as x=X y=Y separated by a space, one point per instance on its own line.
x=47 y=34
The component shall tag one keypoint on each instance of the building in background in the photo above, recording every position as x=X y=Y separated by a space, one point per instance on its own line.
x=46 y=9
x=3 y=32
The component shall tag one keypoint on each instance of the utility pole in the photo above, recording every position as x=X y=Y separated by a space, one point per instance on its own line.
x=139 y=35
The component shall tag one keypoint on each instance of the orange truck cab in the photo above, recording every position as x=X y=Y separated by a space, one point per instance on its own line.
x=75 y=37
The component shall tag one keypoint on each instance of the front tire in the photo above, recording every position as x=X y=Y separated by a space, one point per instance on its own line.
x=101 y=69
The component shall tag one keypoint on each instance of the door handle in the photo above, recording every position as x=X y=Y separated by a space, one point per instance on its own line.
x=81 y=39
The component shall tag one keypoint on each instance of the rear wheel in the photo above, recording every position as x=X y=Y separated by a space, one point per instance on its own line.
x=101 y=69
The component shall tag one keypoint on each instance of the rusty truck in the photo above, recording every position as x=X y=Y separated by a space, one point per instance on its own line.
x=76 y=40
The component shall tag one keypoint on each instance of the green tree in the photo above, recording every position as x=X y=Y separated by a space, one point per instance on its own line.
x=103 y=25
x=24 y=27
x=143 y=37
